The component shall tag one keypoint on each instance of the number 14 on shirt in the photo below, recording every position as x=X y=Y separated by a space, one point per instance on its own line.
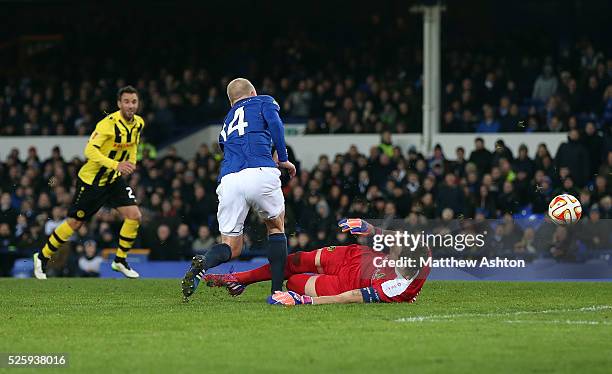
x=233 y=126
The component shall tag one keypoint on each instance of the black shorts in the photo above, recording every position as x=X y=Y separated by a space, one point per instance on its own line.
x=89 y=199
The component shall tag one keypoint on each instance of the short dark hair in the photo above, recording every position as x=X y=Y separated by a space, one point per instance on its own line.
x=127 y=90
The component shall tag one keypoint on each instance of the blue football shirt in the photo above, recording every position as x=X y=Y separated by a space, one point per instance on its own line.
x=250 y=128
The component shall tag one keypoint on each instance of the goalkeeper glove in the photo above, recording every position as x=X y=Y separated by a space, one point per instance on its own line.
x=288 y=298
x=357 y=226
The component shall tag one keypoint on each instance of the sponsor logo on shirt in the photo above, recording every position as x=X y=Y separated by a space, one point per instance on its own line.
x=395 y=287
x=122 y=145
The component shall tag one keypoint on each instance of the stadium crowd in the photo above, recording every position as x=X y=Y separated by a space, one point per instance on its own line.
x=352 y=92
x=364 y=80
x=492 y=94
x=178 y=198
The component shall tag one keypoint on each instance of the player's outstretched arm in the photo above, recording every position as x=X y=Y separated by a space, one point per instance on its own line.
x=292 y=298
x=358 y=226
x=348 y=297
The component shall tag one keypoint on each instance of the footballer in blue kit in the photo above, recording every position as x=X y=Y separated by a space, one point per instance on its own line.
x=249 y=129
x=249 y=179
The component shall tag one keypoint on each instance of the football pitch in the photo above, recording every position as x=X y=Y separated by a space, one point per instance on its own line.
x=107 y=325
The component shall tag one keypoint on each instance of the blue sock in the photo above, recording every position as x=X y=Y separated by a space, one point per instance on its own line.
x=216 y=255
x=277 y=256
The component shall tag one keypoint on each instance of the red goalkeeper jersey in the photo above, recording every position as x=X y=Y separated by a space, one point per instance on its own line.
x=356 y=267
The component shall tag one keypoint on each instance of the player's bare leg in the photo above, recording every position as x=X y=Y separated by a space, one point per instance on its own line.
x=277 y=250
x=59 y=236
x=236 y=243
x=230 y=247
x=127 y=235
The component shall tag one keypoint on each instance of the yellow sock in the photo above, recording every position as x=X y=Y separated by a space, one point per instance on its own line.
x=127 y=236
x=59 y=236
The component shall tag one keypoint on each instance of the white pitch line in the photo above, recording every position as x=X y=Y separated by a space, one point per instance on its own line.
x=565 y=322
x=593 y=308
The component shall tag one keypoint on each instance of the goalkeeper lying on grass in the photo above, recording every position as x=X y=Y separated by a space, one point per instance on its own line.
x=339 y=274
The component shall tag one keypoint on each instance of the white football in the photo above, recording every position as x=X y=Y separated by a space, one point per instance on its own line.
x=565 y=209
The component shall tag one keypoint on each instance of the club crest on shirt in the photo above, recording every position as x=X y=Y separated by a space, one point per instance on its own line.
x=331 y=248
x=378 y=274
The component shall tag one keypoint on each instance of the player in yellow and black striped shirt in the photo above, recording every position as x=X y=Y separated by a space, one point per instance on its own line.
x=111 y=152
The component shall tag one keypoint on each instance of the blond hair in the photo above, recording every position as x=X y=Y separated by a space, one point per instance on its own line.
x=239 y=88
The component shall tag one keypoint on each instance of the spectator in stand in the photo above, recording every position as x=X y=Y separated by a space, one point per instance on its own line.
x=593 y=143
x=386 y=144
x=567 y=187
x=298 y=102
x=164 y=246
x=203 y=241
x=32 y=239
x=451 y=123
x=107 y=238
x=449 y=196
x=591 y=97
x=526 y=247
x=8 y=214
x=601 y=188
x=508 y=116
x=304 y=243
x=507 y=201
x=8 y=253
x=437 y=159
x=481 y=156
x=523 y=162
x=184 y=240
x=457 y=167
x=491 y=90
x=501 y=151
x=90 y=261
x=575 y=157
x=546 y=85
x=605 y=207
x=488 y=123
x=563 y=246
x=554 y=124
x=593 y=231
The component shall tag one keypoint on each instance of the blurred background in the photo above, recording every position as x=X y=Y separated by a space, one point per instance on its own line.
x=395 y=110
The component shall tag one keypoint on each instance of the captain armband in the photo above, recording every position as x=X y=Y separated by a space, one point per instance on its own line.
x=369 y=295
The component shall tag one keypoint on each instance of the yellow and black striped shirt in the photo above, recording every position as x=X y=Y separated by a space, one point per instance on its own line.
x=114 y=140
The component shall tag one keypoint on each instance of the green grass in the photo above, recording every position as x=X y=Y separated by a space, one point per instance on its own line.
x=142 y=326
